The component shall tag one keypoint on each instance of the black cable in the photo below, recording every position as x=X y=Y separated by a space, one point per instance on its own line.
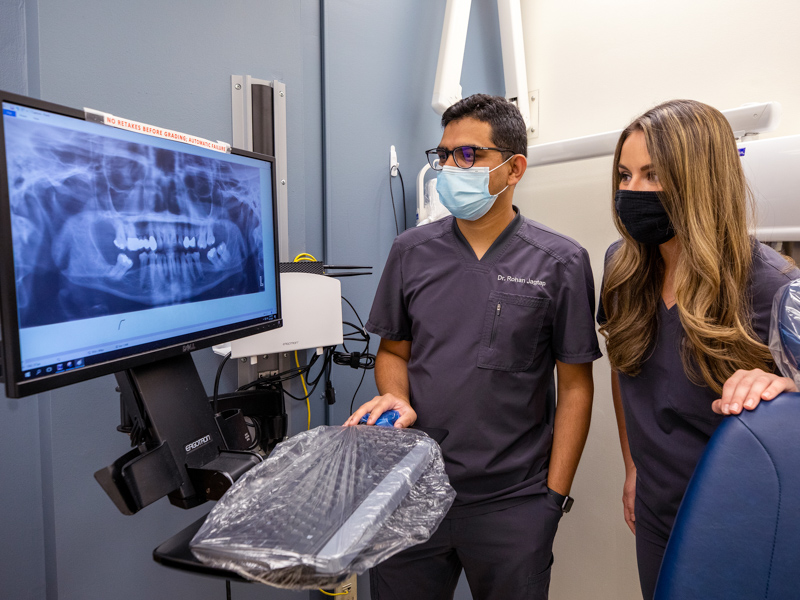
x=330 y=392
x=301 y=398
x=356 y=392
x=394 y=210
x=256 y=424
x=216 y=380
x=403 y=188
x=364 y=336
x=391 y=193
x=292 y=374
x=363 y=360
x=352 y=359
x=287 y=375
x=316 y=381
x=355 y=312
x=356 y=360
x=325 y=360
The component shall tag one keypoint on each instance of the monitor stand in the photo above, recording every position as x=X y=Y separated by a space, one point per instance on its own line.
x=179 y=450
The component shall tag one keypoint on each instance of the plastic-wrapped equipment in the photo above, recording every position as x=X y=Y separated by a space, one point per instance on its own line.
x=784 y=335
x=328 y=503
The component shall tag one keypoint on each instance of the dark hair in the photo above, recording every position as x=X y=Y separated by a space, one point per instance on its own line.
x=508 y=128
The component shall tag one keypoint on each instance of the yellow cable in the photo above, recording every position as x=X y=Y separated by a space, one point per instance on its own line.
x=305 y=389
x=305 y=256
x=334 y=594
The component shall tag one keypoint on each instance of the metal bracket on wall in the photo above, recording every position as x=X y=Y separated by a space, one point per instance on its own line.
x=533 y=125
x=250 y=370
x=258 y=110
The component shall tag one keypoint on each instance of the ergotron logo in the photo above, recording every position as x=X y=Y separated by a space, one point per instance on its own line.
x=294 y=343
x=197 y=443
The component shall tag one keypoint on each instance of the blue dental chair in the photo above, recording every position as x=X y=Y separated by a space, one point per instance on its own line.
x=737 y=532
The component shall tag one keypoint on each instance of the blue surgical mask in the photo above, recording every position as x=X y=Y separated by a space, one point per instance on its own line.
x=465 y=192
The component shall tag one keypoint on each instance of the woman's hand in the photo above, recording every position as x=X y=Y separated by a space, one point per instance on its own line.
x=629 y=498
x=379 y=405
x=745 y=389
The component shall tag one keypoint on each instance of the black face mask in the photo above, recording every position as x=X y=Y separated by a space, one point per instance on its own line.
x=644 y=217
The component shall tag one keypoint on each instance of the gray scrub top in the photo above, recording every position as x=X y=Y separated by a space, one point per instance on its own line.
x=669 y=418
x=485 y=335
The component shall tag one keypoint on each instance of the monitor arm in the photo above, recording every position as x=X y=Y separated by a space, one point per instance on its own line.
x=180 y=451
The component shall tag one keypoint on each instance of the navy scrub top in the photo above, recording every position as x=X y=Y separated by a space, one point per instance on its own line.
x=485 y=336
x=668 y=418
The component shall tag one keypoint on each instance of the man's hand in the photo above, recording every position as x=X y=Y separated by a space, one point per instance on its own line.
x=629 y=499
x=391 y=373
x=379 y=405
x=745 y=389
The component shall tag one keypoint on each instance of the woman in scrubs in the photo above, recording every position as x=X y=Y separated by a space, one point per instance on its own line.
x=685 y=308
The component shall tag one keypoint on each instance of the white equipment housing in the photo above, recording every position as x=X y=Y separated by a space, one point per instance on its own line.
x=772 y=168
x=748 y=119
x=312 y=318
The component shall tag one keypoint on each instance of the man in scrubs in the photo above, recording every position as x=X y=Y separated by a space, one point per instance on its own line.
x=475 y=311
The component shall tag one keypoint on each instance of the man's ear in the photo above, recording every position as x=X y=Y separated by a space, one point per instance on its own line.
x=518 y=166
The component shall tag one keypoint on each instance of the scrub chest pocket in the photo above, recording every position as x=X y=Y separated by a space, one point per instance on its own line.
x=511 y=331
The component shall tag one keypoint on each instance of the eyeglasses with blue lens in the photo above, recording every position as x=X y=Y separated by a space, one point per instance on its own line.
x=463 y=156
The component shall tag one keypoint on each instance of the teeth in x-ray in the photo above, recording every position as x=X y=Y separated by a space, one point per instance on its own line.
x=123 y=232
x=166 y=249
x=144 y=258
x=186 y=225
x=134 y=244
x=161 y=268
x=174 y=267
x=166 y=236
x=123 y=266
x=187 y=269
x=196 y=263
x=218 y=256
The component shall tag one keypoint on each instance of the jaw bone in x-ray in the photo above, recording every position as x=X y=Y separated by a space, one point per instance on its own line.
x=142 y=225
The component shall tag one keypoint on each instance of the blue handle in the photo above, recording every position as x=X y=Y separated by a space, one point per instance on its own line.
x=387 y=419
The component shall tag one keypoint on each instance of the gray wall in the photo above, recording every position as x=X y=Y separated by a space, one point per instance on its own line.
x=169 y=64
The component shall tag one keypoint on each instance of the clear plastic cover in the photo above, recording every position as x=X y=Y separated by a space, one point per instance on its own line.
x=328 y=503
x=784 y=335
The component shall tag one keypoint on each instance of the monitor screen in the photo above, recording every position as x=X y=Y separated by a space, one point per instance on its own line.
x=118 y=248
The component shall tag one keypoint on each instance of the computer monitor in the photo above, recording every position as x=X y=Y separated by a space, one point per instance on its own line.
x=118 y=248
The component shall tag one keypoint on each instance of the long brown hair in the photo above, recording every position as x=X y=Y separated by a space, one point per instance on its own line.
x=695 y=157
